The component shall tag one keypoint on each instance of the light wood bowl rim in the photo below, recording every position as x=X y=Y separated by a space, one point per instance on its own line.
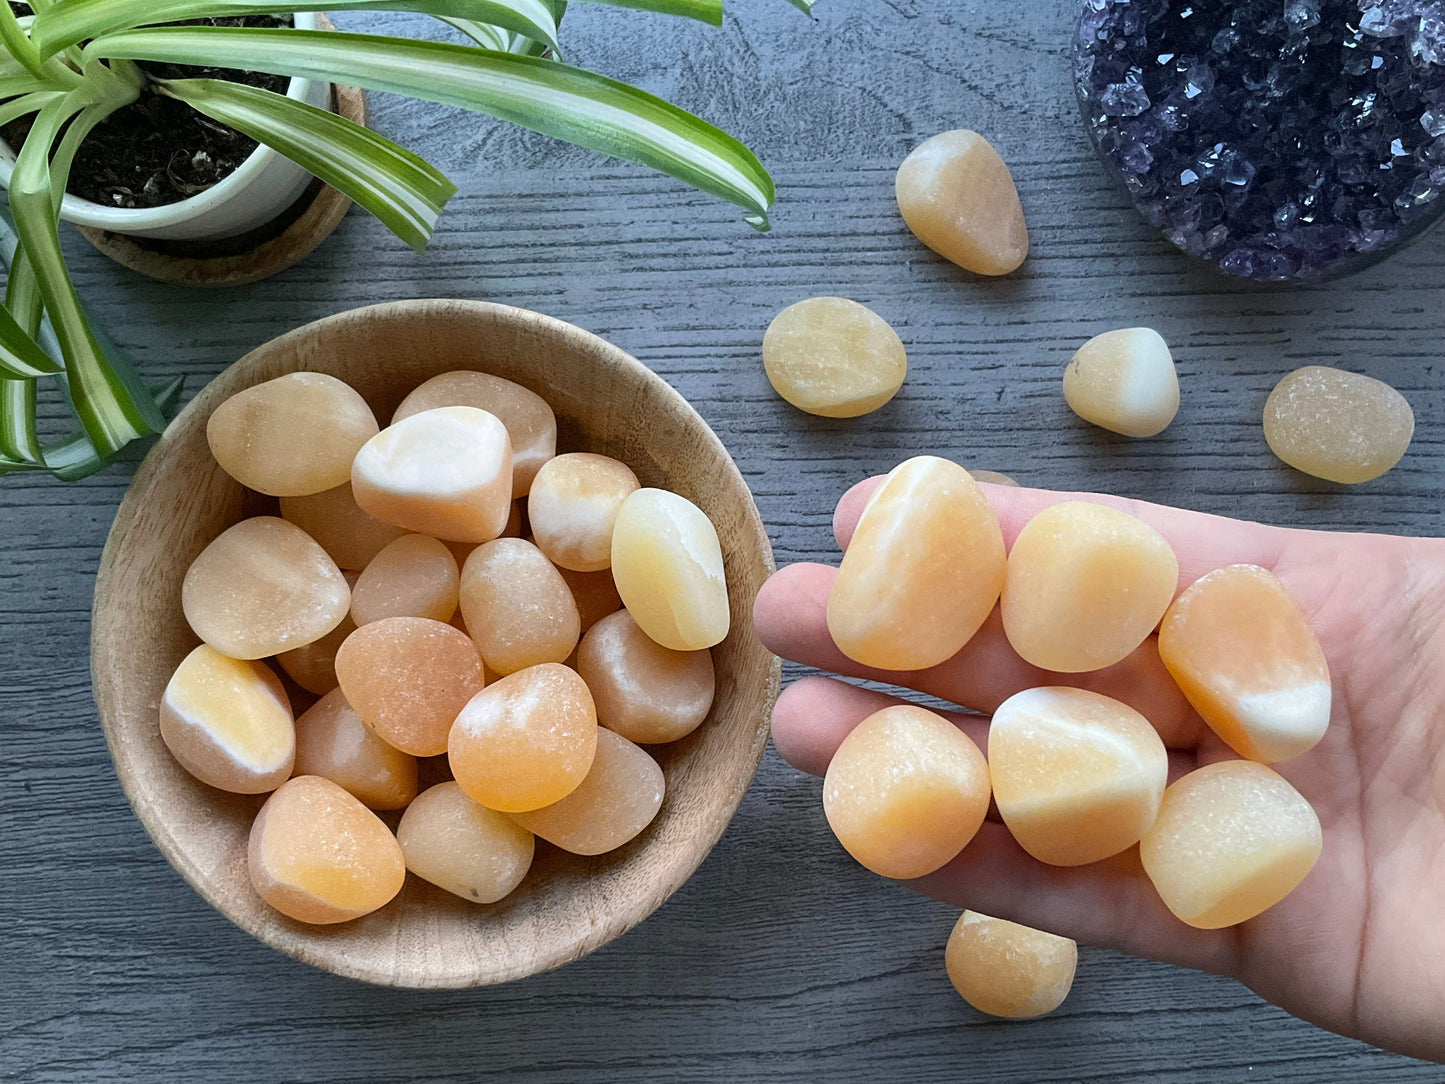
x=128 y=522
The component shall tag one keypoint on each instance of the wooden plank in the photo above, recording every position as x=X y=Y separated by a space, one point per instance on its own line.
x=780 y=958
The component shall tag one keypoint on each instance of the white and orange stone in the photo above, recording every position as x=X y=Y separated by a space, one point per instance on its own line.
x=1077 y=776
x=445 y=472
x=923 y=570
x=530 y=423
x=1243 y=653
x=573 y=505
x=228 y=722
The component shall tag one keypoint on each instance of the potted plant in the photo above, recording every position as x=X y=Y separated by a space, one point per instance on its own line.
x=70 y=65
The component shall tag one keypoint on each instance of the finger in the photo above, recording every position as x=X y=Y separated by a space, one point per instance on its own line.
x=814 y=714
x=1110 y=904
x=790 y=615
x=1201 y=542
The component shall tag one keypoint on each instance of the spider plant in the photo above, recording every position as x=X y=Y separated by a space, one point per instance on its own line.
x=73 y=63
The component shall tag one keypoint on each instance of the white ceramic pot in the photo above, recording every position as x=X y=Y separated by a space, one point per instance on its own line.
x=263 y=186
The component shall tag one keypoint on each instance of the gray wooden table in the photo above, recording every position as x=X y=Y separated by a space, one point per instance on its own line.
x=781 y=958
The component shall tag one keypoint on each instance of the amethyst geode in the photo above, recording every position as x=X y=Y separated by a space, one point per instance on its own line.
x=1277 y=139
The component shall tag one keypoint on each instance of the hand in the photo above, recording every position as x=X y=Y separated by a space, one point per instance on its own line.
x=1359 y=946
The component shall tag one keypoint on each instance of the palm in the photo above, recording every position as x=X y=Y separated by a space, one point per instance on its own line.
x=1359 y=947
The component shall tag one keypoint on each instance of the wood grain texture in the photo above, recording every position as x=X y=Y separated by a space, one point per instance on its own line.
x=780 y=958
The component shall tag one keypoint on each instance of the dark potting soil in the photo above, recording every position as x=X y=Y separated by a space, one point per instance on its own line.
x=158 y=151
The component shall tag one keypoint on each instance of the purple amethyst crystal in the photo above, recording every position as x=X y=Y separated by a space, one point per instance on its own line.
x=1278 y=139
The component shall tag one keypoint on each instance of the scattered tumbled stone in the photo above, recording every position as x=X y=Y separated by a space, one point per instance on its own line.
x=1124 y=381
x=958 y=198
x=1337 y=425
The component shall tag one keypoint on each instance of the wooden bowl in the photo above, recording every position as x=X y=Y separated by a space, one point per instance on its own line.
x=180 y=500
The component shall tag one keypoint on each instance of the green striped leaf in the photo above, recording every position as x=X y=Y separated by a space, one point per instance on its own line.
x=113 y=406
x=398 y=187
x=71 y=21
x=581 y=107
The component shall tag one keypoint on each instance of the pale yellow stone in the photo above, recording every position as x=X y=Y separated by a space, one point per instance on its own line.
x=469 y=850
x=668 y=567
x=445 y=472
x=261 y=588
x=1008 y=970
x=958 y=197
x=228 y=722
x=530 y=423
x=1086 y=585
x=618 y=799
x=1337 y=425
x=923 y=570
x=905 y=792
x=1077 y=775
x=573 y=505
x=833 y=357
x=1231 y=840
x=1124 y=381
x=291 y=436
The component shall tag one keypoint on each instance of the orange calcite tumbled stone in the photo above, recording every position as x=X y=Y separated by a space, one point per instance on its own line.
x=228 y=722
x=408 y=677
x=334 y=520
x=318 y=855
x=922 y=572
x=1077 y=776
x=644 y=691
x=415 y=576
x=905 y=792
x=573 y=505
x=291 y=436
x=668 y=567
x=618 y=799
x=525 y=742
x=595 y=594
x=263 y=587
x=529 y=420
x=993 y=477
x=1086 y=585
x=1232 y=839
x=469 y=850
x=445 y=473
x=958 y=197
x=1008 y=970
x=1244 y=655
x=833 y=357
x=333 y=742
x=517 y=607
